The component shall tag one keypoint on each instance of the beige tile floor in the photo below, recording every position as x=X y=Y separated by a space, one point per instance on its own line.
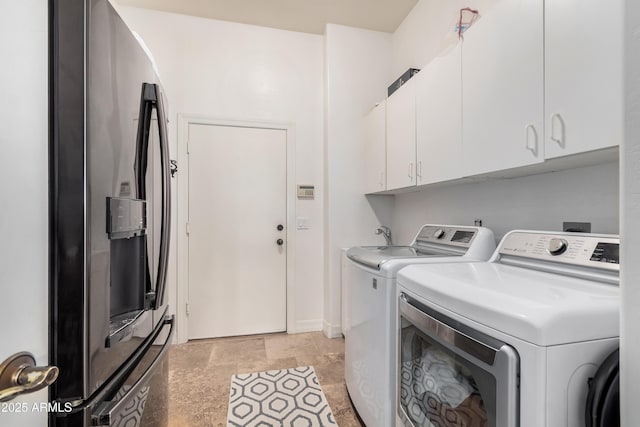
x=200 y=373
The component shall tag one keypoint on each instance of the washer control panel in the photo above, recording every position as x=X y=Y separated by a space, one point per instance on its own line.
x=557 y=246
x=592 y=250
x=454 y=236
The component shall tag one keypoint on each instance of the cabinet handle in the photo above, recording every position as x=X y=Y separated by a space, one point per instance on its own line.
x=531 y=134
x=419 y=170
x=381 y=179
x=557 y=118
x=411 y=170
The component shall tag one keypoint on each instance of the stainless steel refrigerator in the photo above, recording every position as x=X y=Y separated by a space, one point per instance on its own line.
x=109 y=222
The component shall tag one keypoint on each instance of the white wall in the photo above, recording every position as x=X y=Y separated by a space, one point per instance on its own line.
x=538 y=202
x=423 y=34
x=24 y=139
x=357 y=72
x=241 y=72
x=224 y=70
x=630 y=227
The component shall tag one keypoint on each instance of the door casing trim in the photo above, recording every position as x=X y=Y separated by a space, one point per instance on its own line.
x=182 y=245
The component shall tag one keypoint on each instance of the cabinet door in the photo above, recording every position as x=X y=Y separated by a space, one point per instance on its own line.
x=583 y=75
x=375 y=149
x=439 y=119
x=401 y=137
x=502 y=88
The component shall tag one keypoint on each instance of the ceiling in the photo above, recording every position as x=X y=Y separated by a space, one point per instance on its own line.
x=309 y=16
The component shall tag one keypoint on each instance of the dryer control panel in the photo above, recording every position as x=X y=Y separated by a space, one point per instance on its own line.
x=580 y=249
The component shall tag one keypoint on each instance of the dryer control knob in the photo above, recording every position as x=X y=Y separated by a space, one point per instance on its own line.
x=439 y=233
x=557 y=246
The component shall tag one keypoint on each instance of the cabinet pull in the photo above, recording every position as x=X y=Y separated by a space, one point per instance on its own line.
x=419 y=170
x=531 y=134
x=559 y=139
x=410 y=170
x=382 y=180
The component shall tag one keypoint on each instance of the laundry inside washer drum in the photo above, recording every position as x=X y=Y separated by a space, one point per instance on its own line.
x=436 y=389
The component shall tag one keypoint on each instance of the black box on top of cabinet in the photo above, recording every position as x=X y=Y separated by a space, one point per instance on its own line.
x=402 y=80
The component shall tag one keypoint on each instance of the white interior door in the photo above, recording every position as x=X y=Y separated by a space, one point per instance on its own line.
x=24 y=254
x=237 y=201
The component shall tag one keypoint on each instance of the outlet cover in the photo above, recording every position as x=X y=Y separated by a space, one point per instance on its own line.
x=579 y=227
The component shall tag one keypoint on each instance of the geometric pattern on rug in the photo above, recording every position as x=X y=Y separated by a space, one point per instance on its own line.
x=282 y=398
x=131 y=414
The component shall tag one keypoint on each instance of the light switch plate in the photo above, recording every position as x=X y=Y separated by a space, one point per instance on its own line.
x=302 y=223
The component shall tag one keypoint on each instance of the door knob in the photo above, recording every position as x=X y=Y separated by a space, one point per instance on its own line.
x=280 y=242
x=280 y=227
x=19 y=375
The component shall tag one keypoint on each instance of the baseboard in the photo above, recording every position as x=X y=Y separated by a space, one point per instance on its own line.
x=331 y=331
x=300 y=326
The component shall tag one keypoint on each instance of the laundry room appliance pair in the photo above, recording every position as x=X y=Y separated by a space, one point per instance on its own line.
x=369 y=278
x=515 y=341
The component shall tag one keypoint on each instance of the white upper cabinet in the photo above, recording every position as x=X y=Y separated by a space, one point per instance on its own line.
x=583 y=72
x=439 y=119
x=375 y=178
x=401 y=137
x=502 y=84
x=532 y=80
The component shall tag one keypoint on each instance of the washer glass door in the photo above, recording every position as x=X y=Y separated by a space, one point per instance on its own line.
x=447 y=378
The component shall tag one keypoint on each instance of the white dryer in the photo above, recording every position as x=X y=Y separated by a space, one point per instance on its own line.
x=509 y=342
x=370 y=315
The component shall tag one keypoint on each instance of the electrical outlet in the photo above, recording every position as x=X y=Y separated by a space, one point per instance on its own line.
x=579 y=227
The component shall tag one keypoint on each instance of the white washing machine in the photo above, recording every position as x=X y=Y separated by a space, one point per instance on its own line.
x=509 y=342
x=370 y=315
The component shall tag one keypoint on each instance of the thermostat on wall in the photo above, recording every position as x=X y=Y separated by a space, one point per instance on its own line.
x=306 y=191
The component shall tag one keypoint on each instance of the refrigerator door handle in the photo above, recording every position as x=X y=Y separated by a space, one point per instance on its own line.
x=106 y=416
x=166 y=200
x=152 y=97
x=147 y=102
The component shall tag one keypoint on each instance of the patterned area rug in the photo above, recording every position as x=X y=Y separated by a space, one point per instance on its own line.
x=284 y=398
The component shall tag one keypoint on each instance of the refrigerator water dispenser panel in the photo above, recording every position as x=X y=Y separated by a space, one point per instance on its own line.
x=126 y=217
